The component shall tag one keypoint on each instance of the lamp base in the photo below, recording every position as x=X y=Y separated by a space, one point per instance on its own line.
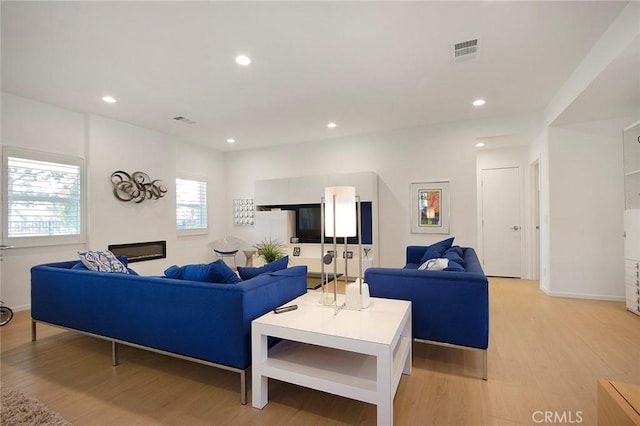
x=354 y=300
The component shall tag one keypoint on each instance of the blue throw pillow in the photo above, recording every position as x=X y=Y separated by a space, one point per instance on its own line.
x=456 y=249
x=452 y=255
x=246 y=273
x=436 y=250
x=197 y=272
x=221 y=273
x=173 y=271
x=454 y=266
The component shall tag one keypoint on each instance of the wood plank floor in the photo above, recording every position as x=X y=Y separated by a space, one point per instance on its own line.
x=545 y=354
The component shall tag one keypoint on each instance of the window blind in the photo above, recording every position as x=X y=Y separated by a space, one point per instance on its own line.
x=191 y=204
x=43 y=198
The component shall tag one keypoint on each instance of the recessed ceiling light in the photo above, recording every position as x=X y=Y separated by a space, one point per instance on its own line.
x=109 y=99
x=231 y=140
x=479 y=102
x=480 y=144
x=332 y=125
x=243 y=60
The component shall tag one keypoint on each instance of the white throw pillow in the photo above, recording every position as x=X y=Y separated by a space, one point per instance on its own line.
x=102 y=261
x=437 y=264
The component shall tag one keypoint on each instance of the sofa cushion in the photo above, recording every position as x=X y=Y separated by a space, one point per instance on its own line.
x=411 y=266
x=247 y=273
x=436 y=250
x=454 y=266
x=101 y=261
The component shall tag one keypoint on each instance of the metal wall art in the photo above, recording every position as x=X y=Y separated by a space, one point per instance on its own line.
x=244 y=211
x=136 y=187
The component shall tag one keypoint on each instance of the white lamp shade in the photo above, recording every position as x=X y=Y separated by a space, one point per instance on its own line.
x=345 y=208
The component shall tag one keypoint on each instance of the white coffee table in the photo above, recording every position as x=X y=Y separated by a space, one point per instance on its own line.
x=355 y=354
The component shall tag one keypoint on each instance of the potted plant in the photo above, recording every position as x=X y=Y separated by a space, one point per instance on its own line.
x=270 y=250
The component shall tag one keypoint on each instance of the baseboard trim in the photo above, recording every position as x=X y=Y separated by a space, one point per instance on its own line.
x=20 y=308
x=584 y=296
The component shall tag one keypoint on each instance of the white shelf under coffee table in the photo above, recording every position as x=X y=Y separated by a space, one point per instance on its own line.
x=355 y=354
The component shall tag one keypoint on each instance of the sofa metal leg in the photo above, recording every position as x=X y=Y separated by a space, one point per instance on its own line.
x=243 y=387
x=484 y=364
x=114 y=353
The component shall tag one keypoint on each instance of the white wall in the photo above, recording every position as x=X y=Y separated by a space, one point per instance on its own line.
x=586 y=200
x=106 y=146
x=445 y=151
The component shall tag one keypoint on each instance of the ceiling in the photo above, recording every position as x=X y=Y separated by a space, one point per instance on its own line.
x=368 y=66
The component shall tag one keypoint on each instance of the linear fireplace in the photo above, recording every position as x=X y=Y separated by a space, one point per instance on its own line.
x=138 y=252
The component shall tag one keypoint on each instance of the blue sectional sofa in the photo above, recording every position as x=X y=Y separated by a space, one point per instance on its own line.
x=203 y=322
x=449 y=307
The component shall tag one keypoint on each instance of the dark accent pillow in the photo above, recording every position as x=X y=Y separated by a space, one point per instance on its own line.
x=246 y=273
x=173 y=271
x=454 y=266
x=453 y=256
x=214 y=272
x=221 y=273
x=436 y=250
x=457 y=249
x=196 y=272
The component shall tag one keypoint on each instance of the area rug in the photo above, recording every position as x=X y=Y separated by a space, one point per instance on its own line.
x=18 y=409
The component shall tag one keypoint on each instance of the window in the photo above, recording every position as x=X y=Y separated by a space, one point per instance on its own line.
x=44 y=196
x=191 y=204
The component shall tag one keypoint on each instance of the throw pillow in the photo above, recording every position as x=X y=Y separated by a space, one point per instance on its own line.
x=196 y=272
x=221 y=273
x=80 y=266
x=101 y=261
x=454 y=266
x=457 y=249
x=173 y=271
x=437 y=249
x=246 y=273
x=434 y=264
x=453 y=256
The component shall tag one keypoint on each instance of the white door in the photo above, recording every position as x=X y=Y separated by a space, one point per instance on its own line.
x=501 y=227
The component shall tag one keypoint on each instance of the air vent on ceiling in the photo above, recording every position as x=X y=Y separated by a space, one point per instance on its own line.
x=465 y=50
x=184 y=120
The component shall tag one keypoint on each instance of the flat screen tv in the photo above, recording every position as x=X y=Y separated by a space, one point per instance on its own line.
x=308 y=224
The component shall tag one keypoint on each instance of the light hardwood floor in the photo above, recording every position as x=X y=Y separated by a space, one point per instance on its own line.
x=545 y=354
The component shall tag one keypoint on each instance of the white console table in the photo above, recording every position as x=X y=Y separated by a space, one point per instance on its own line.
x=356 y=354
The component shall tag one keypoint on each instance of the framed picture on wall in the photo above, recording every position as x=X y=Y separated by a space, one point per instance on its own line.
x=430 y=207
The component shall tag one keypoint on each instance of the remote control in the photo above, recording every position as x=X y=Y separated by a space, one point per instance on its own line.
x=285 y=309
